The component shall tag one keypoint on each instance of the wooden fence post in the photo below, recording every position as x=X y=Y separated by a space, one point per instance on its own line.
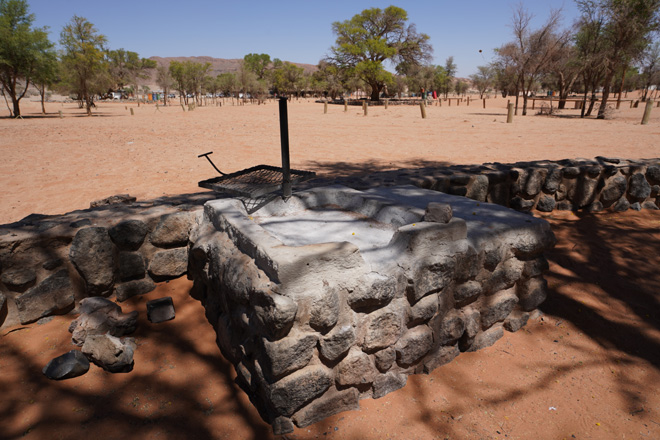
x=422 y=107
x=132 y=111
x=484 y=102
x=325 y=107
x=647 y=112
x=509 y=117
x=386 y=101
x=365 y=106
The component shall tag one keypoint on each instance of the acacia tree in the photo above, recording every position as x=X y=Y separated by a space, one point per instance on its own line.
x=373 y=37
x=628 y=25
x=257 y=63
x=329 y=78
x=84 y=60
x=650 y=68
x=46 y=75
x=127 y=67
x=164 y=81
x=532 y=52
x=483 y=79
x=24 y=51
x=590 y=44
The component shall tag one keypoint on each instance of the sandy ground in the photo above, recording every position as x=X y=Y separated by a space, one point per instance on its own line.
x=588 y=369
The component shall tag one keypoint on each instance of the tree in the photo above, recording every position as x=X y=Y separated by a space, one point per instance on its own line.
x=24 y=51
x=84 y=60
x=227 y=84
x=330 y=78
x=461 y=87
x=373 y=37
x=47 y=74
x=127 y=67
x=164 y=81
x=532 y=52
x=483 y=79
x=257 y=63
x=590 y=44
x=421 y=77
x=650 y=68
x=628 y=25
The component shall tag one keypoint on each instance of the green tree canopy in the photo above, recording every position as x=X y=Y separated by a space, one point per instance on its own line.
x=24 y=52
x=257 y=63
x=83 y=60
x=374 y=36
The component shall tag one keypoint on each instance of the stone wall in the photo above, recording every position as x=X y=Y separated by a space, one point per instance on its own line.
x=313 y=329
x=572 y=184
x=49 y=263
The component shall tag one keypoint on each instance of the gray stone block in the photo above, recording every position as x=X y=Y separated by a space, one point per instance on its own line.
x=379 y=294
x=516 y=320
x=128 y=234
x=290 y=393
x=329 y=404
x=413 y=345
x=18 y=280
x=497 y=307
x=275 y=313
x=385 y=358
x=423 y=310
x=622 y=205
x=66 y=366
x=170 y=263
x=653 y=174
x=388 y=382
x=546 y=203
x=438 y=213
x=99 y=316
x=173 y=229
x=133 y=288
x=110 y=353
x=54 y=295
x=287 y=355
x=383 y=328
x=324 y=310
x=486 y=338
x=532 y=293
x=478 y=188
x=639 y=188
x=467 y=292
x=614 y=189
x=355 y=369
x=94 y=255
x=337 y=342
x=131 y=266
x=438 y=357
x=160 y=310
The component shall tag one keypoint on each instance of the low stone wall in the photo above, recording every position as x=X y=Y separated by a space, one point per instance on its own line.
x=313 y=328
x=569 y=185
x=49 y=263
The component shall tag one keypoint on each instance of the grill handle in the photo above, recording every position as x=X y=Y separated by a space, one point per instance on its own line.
x=206 y=155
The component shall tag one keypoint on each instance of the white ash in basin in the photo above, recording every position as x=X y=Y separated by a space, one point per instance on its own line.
x=315 y=318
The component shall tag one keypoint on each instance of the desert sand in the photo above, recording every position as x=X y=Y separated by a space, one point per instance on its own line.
x=587 y=368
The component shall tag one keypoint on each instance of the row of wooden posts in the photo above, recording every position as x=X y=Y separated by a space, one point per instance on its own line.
x=509 y=117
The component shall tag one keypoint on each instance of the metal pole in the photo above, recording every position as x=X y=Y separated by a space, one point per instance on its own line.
x=284 y=139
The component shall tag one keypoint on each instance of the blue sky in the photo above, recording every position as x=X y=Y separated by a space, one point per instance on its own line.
x=292 y=30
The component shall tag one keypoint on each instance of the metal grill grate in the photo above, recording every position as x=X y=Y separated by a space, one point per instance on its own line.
x=253 y=182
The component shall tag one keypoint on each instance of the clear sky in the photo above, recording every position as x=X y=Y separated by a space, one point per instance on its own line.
x=291 y=30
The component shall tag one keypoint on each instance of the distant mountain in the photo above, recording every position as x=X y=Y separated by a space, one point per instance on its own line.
x=218 y=65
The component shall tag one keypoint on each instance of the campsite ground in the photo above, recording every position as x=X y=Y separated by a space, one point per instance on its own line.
x=588 y=368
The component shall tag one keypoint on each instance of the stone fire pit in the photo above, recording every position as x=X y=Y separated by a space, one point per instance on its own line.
x=339 y=295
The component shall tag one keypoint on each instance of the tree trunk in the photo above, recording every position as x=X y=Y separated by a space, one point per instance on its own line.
x=375 y=92
x=17 y=109
x=584 y=101
x=606 y=93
